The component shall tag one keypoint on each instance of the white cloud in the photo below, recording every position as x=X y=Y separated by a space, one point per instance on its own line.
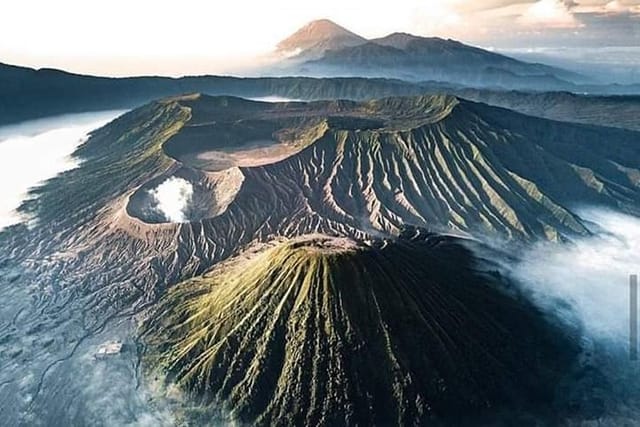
x=617 y=6
x=173 y=198
x=588 y=280
x=34 y=151
x=550 y=14
x=614 y=6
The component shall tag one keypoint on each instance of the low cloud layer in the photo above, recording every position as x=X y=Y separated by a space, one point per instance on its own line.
x=173 y=198
x=587 y=281
x=34 y=151
x=584 y=285
x=274 y=98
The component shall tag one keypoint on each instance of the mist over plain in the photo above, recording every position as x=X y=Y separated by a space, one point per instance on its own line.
x=34 y=151
x=583 y=284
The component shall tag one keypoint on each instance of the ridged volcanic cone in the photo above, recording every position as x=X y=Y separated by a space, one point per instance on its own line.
x=327 y=331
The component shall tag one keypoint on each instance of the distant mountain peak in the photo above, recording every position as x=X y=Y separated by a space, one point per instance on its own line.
x=317 y=37
x=324 y=26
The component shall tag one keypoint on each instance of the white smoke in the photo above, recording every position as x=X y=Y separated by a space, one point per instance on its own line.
x=173 y=197
x=587 y=281
x=34 y=151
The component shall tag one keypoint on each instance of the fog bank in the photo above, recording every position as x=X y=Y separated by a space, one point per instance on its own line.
x=587 y=280
x=34 y=151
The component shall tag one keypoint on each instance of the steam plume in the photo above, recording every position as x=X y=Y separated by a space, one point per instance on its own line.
x=173 y=198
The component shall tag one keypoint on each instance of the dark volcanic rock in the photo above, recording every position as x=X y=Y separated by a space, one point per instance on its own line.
x=329 y=331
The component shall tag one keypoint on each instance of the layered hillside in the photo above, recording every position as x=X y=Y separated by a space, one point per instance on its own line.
x=330 y=331
x=29 y=94
x=615 y=111
x=248 y=170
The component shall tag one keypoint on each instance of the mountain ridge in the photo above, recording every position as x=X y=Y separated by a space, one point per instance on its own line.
x=417 y=58
x=27 y=93
x=479 y=182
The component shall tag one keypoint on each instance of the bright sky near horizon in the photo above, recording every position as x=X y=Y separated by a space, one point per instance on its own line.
x=125 y=37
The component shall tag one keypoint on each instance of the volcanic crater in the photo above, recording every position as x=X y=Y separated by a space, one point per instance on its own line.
x=202 y=195
x=225 y=134
x=433 y=161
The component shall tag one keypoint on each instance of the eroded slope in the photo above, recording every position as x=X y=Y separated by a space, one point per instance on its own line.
x=328 y=331
x=433 y=161
x=354 y=170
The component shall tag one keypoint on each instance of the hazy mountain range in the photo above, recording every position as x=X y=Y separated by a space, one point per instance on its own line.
x=323 y=48
x=26 y=94
x=400 y=64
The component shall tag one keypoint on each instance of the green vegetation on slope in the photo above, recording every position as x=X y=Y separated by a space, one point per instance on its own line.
x=327 y=331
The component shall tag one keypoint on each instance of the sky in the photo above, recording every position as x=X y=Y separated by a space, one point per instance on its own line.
x=129 y=37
